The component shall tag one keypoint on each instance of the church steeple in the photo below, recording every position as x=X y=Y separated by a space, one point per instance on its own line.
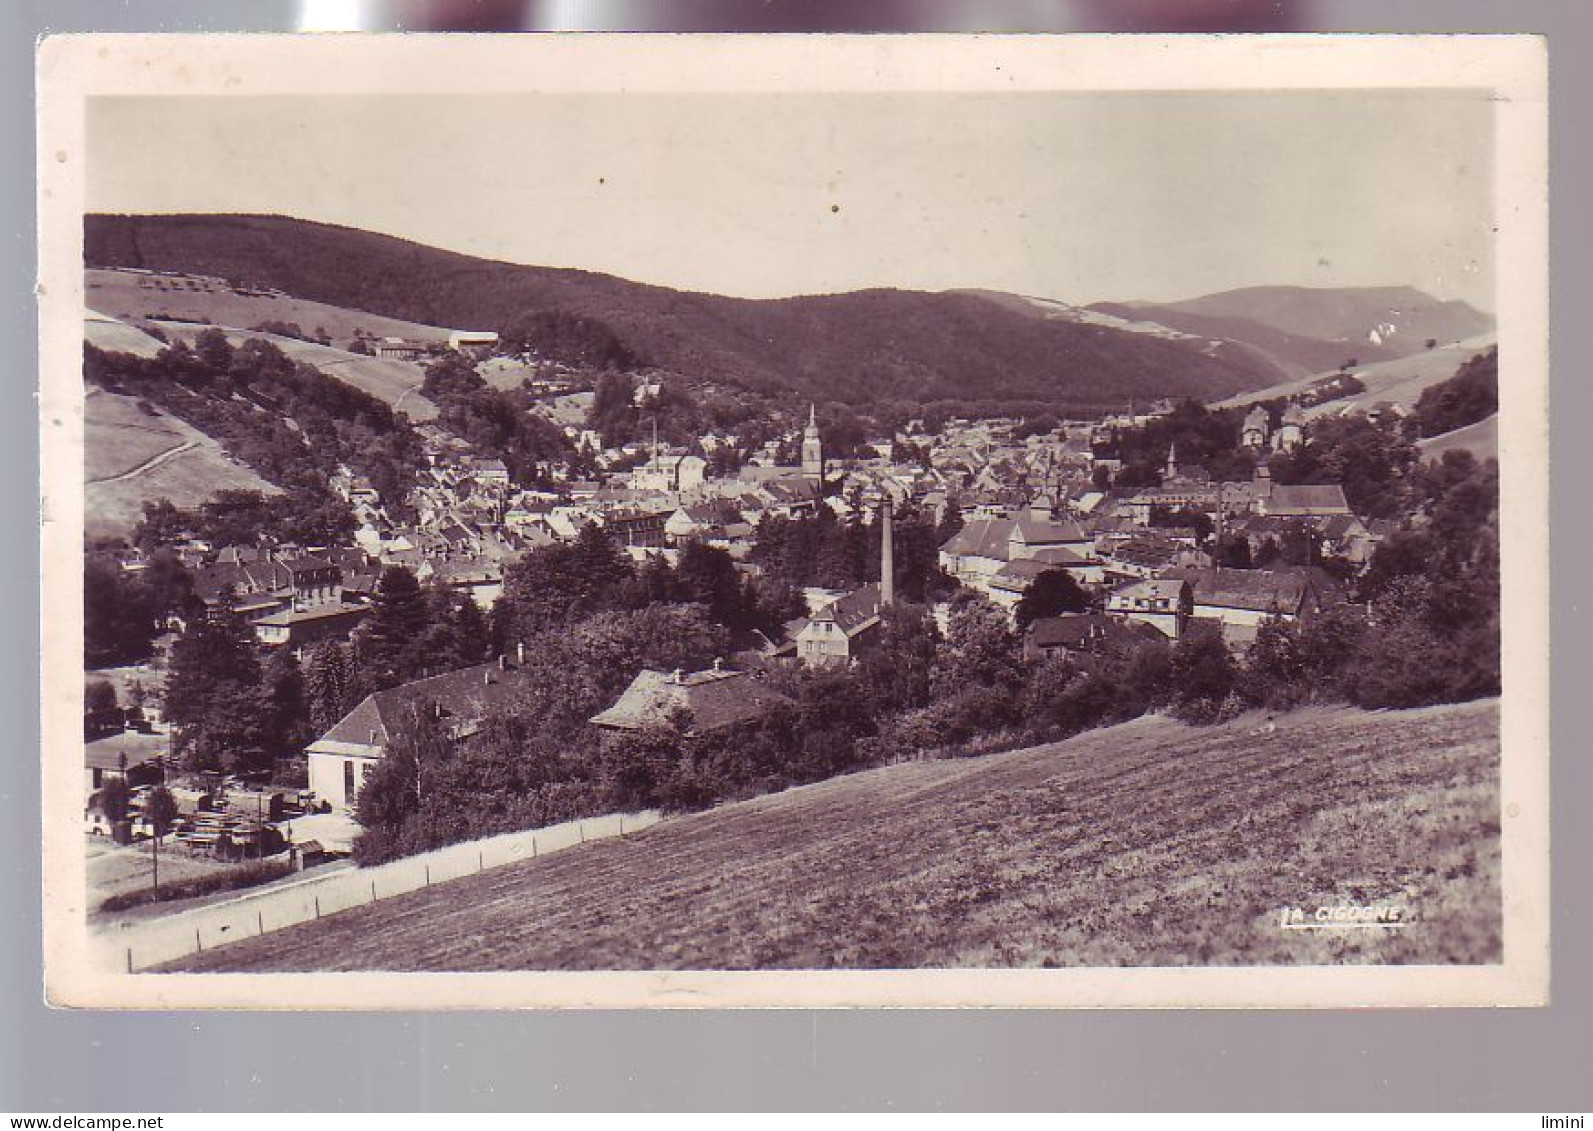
x=812 y=446
x=1172 y=461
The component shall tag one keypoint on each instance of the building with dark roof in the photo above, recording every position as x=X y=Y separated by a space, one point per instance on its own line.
x=981 y=550
x=342 y=758
x=1241 y=599
x=1083 y=634
x=694 y=703
x=1164 y=603
x=839 y=632
x=1303 y=500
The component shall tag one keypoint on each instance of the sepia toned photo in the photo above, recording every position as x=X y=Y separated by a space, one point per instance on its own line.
x=681 y=521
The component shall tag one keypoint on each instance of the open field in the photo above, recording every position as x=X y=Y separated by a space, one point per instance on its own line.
x=126 y=295
x=107 y=333
x=569 y=409
x=1399 y=382
x=130 y=456
x=1151 y=843
x=125 y=437
x=1480 y=439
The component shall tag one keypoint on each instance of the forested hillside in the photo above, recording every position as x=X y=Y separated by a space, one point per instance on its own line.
x=1471 y=395
x=858 y=347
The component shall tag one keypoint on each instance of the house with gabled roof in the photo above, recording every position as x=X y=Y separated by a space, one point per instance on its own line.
x=1164 y=603
x=984 y=547
x=1241 y=599
x=840 y=631
x=342 y=758
x=694 y=703
x=1303 y=500
x=1080 y=635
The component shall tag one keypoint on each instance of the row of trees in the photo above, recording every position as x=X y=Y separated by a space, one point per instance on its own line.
x=564 y=583
x=824 y=550
x=240 y=517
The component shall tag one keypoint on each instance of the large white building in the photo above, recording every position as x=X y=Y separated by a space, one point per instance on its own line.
x=342 y=758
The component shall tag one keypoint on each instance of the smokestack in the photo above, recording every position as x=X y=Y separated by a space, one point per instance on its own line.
x=887 y=558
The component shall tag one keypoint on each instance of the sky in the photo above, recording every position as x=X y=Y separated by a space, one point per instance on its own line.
x=1074 y=197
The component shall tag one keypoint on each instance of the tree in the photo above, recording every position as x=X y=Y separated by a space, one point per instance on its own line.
x=115 y=799
x=169 y=584
x=561 y=583
x=1469 y=396
x=215 y=695
x=1050 y=594
x=328 y=683
x=394 y=794
x=896 y=672
x=290 y=708
x=99 y=695
x=832 y=714
x=119 y=618
x=1232 y=551
x=389 y=645
x=1275 y=665
x=980 y=648
x=1203 y=674
x=950 y=523
x=1370 y=461
x=706 y=575
x=612 y=414
x=213 y=350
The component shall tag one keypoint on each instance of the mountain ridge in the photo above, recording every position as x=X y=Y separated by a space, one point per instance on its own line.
x=1380 y=321
x=858 y=347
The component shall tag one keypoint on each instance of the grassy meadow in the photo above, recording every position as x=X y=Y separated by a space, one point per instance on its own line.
x=1150 y=843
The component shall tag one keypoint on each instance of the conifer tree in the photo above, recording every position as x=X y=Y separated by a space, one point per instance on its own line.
x=389 y=647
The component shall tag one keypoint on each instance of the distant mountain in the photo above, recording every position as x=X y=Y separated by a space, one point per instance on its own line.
x=857 y=347
x=1296 y=353
x=1398 y=321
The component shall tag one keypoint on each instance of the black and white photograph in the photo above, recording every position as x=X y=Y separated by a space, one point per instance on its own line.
x=836 y=520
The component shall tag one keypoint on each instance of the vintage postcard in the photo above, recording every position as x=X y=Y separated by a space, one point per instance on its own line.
x=591 y=521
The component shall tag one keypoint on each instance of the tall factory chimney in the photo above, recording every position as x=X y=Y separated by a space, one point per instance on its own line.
x=887 y=558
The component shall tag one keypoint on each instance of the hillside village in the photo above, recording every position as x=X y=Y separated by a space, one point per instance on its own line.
x=557 y=615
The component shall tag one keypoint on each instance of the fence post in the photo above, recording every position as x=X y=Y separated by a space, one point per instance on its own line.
x=580 y=827
x=481 y=862
x=428 y=875
x=317 y=907
x=259 y=916
x=129 y=960
x=373 y=891
x=622 y=824
x=199 y=946
x=533 y=848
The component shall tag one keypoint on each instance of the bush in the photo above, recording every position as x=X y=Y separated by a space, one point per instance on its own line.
x=233 y=879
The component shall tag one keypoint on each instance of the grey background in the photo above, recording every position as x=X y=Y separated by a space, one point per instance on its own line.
x=1536 y=1061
